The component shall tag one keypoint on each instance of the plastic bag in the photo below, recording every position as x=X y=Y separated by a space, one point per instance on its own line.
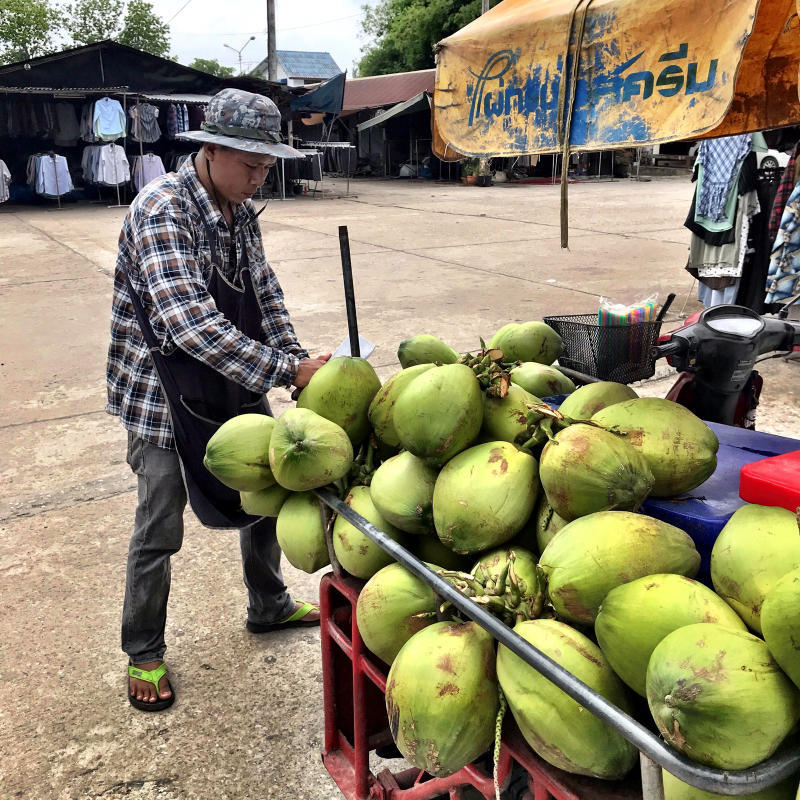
x=619 y=314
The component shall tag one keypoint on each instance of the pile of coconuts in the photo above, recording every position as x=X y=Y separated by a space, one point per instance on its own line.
x=533 y=513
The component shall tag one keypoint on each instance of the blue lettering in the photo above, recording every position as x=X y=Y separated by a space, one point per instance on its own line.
x=693 y=85
x=638 y=83
x=670 y=81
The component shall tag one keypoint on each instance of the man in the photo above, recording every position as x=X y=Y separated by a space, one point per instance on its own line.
x=191 y=276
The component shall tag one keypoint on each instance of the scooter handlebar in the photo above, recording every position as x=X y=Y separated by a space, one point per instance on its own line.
x=671 y=348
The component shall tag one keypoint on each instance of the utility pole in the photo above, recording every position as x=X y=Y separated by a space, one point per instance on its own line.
x=272 y=56
x=484 y=6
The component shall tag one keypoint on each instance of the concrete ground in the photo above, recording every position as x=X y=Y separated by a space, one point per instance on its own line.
x=445 y=259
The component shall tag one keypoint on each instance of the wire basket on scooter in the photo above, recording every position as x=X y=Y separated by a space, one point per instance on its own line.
x=610 y=352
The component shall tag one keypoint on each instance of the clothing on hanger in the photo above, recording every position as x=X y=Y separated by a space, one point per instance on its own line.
x=172 y=121
x=144 y=124
x=108 y=120
x=106 y=165
x=67 y=130
x=783 y=275
x=789 y=179
x=145 y=169
x=721 y=160
x=48 y=175
x=5 y=181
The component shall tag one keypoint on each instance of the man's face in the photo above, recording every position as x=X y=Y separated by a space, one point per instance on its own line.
x=236 y=173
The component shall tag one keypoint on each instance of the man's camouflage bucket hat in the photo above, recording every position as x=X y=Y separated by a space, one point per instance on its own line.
x=244 y=121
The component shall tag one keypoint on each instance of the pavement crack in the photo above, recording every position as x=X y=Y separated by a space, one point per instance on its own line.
x=51 y=419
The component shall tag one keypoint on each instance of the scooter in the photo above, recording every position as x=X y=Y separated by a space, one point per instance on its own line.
x=716 y=352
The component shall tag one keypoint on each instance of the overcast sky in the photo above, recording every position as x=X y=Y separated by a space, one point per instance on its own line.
x=204 y=27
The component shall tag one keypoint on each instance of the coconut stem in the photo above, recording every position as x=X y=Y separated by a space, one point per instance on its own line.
x=498 y=740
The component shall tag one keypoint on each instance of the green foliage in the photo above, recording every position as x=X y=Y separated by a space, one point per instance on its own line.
x=403 y=33
x=212 y=66
x=88 y=21
x=144 y=29
x=26 y=29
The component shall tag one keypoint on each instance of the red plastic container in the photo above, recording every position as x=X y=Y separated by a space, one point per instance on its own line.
x=354 y=682
x=772 y=481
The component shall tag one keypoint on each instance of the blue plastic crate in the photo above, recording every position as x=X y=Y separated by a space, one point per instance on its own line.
x=703 y=512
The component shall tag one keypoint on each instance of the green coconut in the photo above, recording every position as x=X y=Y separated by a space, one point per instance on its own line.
x=527 y=341
x=238 y=453
x=505 y=419
x=441 y=697
x=541 y=380
x=675 y=789
x=780 y=623
x=381 y=409
x=680 y=449
x=307 y=451
x=439 y=413
x=717 y=695
x=484 y=496
x=755 y=549
x=300 y=533
x=559 y=729
x=594 y=554
x=402 y=491
x=587 y=400
x=636 y=616
x=425 y=349
x=391 y=608
x=430 y=549
x=341 y=390
x=265 y=502
x=546 y=522
x=587 y=469
x=357 y=553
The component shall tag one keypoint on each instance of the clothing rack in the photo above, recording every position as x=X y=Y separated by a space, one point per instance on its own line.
x=331 y=146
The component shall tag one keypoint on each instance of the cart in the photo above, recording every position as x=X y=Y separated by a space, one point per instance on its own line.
x=354 y=681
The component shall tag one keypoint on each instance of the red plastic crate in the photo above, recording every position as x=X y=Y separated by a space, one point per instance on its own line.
x=772 y=481
x=354 y=682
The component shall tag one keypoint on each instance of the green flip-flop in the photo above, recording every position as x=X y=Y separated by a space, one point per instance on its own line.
x=297 y=619
x=151 y=676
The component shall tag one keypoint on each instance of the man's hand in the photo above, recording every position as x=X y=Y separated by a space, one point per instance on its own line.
x=306 y=370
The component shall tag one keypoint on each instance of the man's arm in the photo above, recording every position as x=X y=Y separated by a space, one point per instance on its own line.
x=174 y=280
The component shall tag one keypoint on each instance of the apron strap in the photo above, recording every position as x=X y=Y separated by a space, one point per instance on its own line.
x=150 y=338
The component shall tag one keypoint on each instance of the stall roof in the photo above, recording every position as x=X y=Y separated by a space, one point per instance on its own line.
x=420 y=102
x=378 y=91
x=176 y=98
x=110 y=66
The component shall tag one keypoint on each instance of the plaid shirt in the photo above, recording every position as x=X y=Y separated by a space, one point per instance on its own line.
x=164 y=248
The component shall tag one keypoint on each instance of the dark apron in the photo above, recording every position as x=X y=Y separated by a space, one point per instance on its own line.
x=200 y=399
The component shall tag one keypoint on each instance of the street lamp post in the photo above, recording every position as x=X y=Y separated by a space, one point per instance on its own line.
x=239 y=51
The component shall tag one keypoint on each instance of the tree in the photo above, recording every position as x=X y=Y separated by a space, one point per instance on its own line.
x=144 y=29
x=26 y=29
x=212 y=66
x=402 y=33
x=89 y=21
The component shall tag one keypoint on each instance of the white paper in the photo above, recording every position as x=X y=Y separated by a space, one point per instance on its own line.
x=367 y=348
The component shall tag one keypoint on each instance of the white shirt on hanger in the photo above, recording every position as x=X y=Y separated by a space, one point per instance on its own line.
x=109 y=119
x=146 y=168
x=52 y=178
x=113 y=168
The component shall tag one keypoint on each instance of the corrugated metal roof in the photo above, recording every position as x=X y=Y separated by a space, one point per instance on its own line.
x=66 y=90
x=386 y=90
x=420 y=102
x=177 y=98
x=303 y=64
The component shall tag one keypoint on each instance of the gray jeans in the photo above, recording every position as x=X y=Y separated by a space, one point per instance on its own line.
x=158 y=533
